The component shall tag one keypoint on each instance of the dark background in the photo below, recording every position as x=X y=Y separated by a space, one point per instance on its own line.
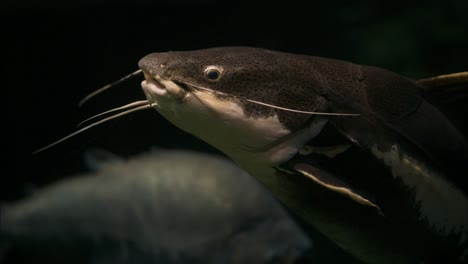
x=57 y=53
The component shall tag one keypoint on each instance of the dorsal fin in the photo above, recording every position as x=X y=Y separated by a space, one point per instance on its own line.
x=449 y=93
x=447 y=88
x=445 y=80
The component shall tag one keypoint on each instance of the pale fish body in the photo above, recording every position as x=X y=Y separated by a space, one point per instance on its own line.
x=158 y=207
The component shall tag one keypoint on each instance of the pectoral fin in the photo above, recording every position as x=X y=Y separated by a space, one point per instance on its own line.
x=334 y=184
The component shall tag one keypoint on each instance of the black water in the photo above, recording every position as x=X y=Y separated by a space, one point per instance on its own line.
x=56 y=53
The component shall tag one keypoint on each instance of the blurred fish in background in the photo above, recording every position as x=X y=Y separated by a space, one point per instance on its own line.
x=163 y=206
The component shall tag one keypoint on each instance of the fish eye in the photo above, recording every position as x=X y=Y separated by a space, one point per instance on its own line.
x=213 y=73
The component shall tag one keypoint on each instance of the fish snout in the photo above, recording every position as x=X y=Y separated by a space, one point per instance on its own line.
x=154 y=69
x=154 y=64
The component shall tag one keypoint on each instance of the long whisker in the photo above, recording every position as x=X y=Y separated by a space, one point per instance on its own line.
x=107 y=86
x=148 y=106
x=300 y=111
x=274 y=106
x=130 y=105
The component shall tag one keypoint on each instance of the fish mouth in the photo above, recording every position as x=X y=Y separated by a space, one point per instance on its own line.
x=154 y=86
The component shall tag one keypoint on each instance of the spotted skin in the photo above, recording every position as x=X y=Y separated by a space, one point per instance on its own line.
x=316 y=84
x=262 y=79
x=418 y=154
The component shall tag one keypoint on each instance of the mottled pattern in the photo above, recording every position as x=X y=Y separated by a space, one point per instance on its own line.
x=393 y=98
x=386 y=101
x=392 y=112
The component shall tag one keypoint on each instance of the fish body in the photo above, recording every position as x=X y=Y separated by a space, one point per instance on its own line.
x=396 y=192
x=158 y=207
